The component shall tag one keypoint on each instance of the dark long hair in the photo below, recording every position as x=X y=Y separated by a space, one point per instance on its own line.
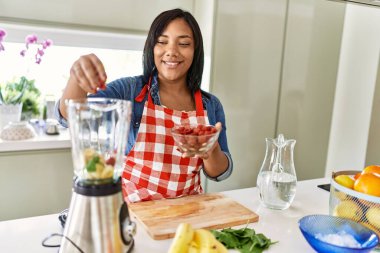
x=194 y=75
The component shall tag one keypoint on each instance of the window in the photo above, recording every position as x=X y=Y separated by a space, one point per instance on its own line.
x=121 y=55
x=120 y=52
x=52 y=74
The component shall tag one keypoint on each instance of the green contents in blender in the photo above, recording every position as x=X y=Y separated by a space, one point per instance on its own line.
x=96 y=166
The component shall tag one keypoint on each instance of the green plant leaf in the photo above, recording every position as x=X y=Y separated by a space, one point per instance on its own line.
x=22 y=90
x=245 y=240
x=1 y=97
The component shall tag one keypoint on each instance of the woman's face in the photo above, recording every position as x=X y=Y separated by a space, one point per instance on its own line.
x=174 y=51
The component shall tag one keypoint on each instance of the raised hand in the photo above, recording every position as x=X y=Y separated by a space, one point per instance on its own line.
x=88 y=73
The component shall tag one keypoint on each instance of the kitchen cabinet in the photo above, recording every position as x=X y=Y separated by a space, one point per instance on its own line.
x=309 y=76
x=34 y=181
x=307 y=69
x=275 y=68
x=248 y=43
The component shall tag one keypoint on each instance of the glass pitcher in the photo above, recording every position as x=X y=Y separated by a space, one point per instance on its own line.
x=277 y=178
x=99 y=128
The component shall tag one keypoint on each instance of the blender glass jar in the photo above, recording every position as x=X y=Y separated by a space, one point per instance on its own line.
x=99 y=128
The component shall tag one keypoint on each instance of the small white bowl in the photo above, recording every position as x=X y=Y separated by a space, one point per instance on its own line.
x=17 y=131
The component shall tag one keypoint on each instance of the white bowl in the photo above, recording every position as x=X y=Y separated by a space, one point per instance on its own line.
x=17 y=131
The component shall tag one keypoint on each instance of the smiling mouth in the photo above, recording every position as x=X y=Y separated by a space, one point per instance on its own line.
x=171 y=64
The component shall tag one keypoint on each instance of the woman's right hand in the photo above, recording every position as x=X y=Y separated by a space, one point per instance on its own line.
x=88 y=73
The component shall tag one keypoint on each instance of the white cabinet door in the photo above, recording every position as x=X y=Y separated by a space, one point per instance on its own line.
x=35 y=182
x=245 y=76
x=310 y=71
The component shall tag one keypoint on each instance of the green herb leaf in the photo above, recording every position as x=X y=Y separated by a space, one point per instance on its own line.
x=245 y=240
x=91 y=165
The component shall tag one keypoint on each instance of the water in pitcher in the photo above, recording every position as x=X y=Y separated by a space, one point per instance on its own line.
x=277 y=179
x=277 y=190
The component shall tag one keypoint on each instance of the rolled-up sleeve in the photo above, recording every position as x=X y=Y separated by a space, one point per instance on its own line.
x=225 y=174
x=119 y=89
x=58 y=115
x=216 y=114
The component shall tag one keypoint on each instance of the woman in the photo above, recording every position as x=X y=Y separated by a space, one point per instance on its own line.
x=169 y=93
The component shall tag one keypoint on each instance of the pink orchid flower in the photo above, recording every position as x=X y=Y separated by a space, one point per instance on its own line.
x=2 y=35
x=46 y=43
x=32 y=39
x=29 y=39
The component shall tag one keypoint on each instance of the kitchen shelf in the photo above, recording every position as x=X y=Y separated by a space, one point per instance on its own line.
x=41 y=142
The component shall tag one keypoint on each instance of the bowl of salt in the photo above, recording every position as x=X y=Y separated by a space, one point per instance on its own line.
x=326 y=233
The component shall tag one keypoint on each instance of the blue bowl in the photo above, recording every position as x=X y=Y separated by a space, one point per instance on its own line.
x=327 y=234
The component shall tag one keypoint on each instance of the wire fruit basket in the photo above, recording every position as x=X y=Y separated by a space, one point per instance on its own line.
x=354 y=205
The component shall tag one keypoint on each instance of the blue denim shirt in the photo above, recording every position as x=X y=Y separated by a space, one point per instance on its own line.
x=128 y=88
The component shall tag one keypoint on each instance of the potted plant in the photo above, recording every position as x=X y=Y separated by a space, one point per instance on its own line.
x=22 y=91
x=10 y=107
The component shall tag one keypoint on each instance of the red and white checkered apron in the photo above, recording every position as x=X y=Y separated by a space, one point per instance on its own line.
x=154 y=169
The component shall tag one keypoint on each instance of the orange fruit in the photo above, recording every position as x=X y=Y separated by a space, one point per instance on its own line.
x=357 y=175
x=368 y=183
x=372 y=169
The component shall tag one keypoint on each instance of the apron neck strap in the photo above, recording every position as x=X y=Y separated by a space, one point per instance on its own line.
x=143 y=92
x=197 y=96
x=198 y=103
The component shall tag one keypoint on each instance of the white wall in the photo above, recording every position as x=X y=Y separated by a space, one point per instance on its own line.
x=354 y=98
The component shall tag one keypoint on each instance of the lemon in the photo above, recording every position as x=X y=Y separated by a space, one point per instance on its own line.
x=348 y=209
x=345 y=181
x=374 y=229
x=373 y=216
x=340 y=195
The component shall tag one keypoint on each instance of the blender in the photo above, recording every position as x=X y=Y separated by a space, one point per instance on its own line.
x=98 y=220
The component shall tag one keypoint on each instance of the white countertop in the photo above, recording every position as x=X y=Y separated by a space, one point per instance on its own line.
x=282 y=226
x=42 y=141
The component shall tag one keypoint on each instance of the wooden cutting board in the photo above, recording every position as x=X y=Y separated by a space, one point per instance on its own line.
x=212 y=211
